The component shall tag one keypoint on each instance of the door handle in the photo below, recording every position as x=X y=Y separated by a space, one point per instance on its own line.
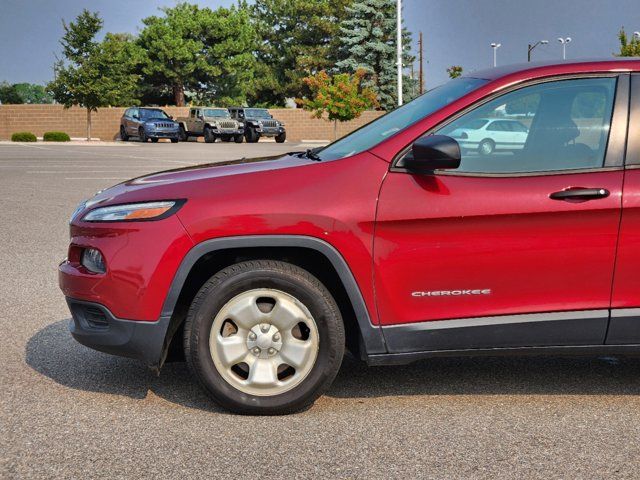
x=580 y=194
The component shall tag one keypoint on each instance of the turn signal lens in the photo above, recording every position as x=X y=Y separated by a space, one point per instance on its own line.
x=133 y=212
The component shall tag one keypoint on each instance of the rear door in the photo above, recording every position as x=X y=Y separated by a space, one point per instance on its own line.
x=513 y=248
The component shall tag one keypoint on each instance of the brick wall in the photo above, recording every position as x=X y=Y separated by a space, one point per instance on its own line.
x=106 y=122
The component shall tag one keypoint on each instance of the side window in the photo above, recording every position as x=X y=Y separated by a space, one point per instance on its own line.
x=192 y=113
x=134 y=112
x=495 y=127
x=558 y=125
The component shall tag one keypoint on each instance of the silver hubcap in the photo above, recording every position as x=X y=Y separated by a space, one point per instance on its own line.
x=264 y=342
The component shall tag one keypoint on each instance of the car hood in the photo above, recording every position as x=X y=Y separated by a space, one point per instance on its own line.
x=178 y=183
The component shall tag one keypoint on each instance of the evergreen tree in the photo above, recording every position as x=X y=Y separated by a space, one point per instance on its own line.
x=368 y=41
x=298 y=38
x=206 y=52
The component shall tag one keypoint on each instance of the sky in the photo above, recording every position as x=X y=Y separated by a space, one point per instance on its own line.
x=456 y=32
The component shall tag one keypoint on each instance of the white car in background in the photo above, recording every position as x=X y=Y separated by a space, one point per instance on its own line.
x=487 y=135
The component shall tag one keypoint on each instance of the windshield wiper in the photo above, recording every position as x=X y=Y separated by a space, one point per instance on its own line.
x=309 y=153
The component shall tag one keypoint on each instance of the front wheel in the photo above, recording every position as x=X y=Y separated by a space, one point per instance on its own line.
x=251 y=135
x=123 y=134
x=238 y=138
x=281 y=138
x=209 y=137
x=142 y=135
x=182 y=135
x=264 y=337
x=486 y=147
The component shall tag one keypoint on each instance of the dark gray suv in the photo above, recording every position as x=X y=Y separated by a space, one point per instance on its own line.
x=258 y=122
x=148 y=123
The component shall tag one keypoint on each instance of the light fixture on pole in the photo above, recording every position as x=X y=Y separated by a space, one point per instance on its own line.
x=531 y=47
x=636 y=35
x=399 y=42
x=495 y=47
x=564 y=42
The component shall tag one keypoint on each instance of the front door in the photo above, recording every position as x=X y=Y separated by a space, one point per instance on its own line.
x=516 y=247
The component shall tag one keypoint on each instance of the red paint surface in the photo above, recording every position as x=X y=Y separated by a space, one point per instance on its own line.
x=433 y=232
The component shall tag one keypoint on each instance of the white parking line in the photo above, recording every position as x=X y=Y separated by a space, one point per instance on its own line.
x=96 y=178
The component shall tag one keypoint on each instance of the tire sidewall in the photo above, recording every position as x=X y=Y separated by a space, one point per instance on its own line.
x=330 y=351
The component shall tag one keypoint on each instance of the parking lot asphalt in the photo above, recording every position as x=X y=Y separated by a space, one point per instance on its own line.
x=70 y=412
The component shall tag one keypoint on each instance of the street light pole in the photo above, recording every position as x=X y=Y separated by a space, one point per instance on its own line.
x=531 y=47
x=564 y=42
x=399 y=42
x=495 y=47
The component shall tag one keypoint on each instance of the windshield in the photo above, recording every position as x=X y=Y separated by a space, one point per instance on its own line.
x=147 y=114
x=399 y=119
x=256 y=113
x=216 y=112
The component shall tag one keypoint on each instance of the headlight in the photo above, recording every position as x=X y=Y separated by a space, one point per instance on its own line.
x=132 y=212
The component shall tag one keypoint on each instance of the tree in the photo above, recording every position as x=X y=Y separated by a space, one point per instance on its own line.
x=229 y=39
x=33 y=93
x=9 y=94
x=95 y=74
x=454 y=71
x=298 y=38
x=199 y=50
x=341 y=97
x=628 y=48
x=368 y=41
x=23 y=93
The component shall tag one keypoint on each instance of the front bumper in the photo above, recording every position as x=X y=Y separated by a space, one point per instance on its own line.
x=94 y=326
x=162 y=134
x=228 y=131
x=270 y=131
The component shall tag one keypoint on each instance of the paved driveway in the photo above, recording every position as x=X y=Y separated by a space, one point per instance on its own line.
x=70 y=412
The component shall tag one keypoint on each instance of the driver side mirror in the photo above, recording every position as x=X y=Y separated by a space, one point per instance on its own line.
x=433 y=152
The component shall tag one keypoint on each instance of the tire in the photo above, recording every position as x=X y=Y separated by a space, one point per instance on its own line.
x=251 y=135
x=238 y=138
x=142 y=136
x=234 y=295
x=209 y=137
x=182 y=135
x=123 y=134
x=281 y=138
x=175 y=140
x=154 y=140
x=486 y=147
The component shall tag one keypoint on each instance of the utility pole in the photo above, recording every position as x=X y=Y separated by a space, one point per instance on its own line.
x=421 y=47
x=399 y=42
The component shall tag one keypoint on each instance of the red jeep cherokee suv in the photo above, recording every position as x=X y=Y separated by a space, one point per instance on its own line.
x=401 y=241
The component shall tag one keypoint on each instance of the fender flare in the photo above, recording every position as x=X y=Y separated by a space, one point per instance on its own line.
x=372 y=338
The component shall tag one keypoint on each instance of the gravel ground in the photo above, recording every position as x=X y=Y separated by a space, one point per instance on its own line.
x=70 y=412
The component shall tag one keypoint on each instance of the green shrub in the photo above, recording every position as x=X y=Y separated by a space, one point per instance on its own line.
x=55 y=137
x=23 y=137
